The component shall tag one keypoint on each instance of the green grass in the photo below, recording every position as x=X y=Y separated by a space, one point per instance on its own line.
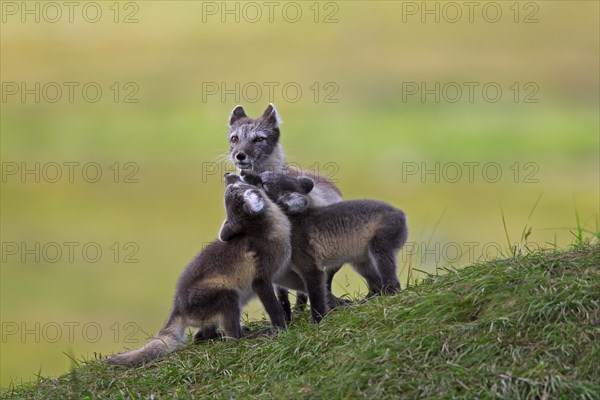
x=521 y=327
x=368 y=135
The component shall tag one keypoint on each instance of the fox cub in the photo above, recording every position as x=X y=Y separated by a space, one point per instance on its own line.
x=366 y=233
x=254 y=144
x=254 y=247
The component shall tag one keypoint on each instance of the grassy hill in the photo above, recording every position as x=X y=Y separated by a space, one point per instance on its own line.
x=521 y=327
x=451 y=163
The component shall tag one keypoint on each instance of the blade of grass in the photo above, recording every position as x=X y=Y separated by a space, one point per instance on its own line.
x=525 y=233
x=510 y=247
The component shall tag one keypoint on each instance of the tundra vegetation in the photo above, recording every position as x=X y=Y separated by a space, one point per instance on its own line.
x=162 y=156
x=526 y=326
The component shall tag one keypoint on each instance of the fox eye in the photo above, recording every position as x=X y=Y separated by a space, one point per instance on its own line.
x=259 y=139
x=234 y=139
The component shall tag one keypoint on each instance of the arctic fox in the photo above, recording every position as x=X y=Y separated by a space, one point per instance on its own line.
x=254 y=248
x=254 y=145
x=366 y=233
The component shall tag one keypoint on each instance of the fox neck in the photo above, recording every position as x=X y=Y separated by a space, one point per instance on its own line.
x=276 y=160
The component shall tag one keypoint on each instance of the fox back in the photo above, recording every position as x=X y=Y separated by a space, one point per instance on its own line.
x=366 y=233
x=345 y=231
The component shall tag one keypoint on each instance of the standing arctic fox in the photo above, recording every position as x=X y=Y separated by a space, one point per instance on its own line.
x=254 y=145
x=254 y=248
x=366 y=233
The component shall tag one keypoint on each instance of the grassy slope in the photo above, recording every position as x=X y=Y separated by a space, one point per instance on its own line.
x=524 y=327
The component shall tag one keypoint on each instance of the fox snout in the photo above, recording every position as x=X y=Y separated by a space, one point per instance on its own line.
x=242 y=158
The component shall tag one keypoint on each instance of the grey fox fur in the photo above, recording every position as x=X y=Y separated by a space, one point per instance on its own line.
x=254 y=248
x=254 y=145
x=366 y=233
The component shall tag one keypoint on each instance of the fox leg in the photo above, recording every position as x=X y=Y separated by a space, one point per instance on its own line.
x=383 y=249
x=231 y=322
x=334 y=301
x=264 y=290
x=284 y=300
x=315 y=285
x=386 y=263
x=206 y=333
x=301 y=300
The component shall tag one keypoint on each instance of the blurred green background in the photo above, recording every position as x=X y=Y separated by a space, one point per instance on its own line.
x=356 y=120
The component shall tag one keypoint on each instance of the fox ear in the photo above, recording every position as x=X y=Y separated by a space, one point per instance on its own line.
x=237 y=113
x=271 y=116
x=254 y=203
x=227 y=232
x=307 y=184
x=251 y=177
x=293 y=203
x=231 y=178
